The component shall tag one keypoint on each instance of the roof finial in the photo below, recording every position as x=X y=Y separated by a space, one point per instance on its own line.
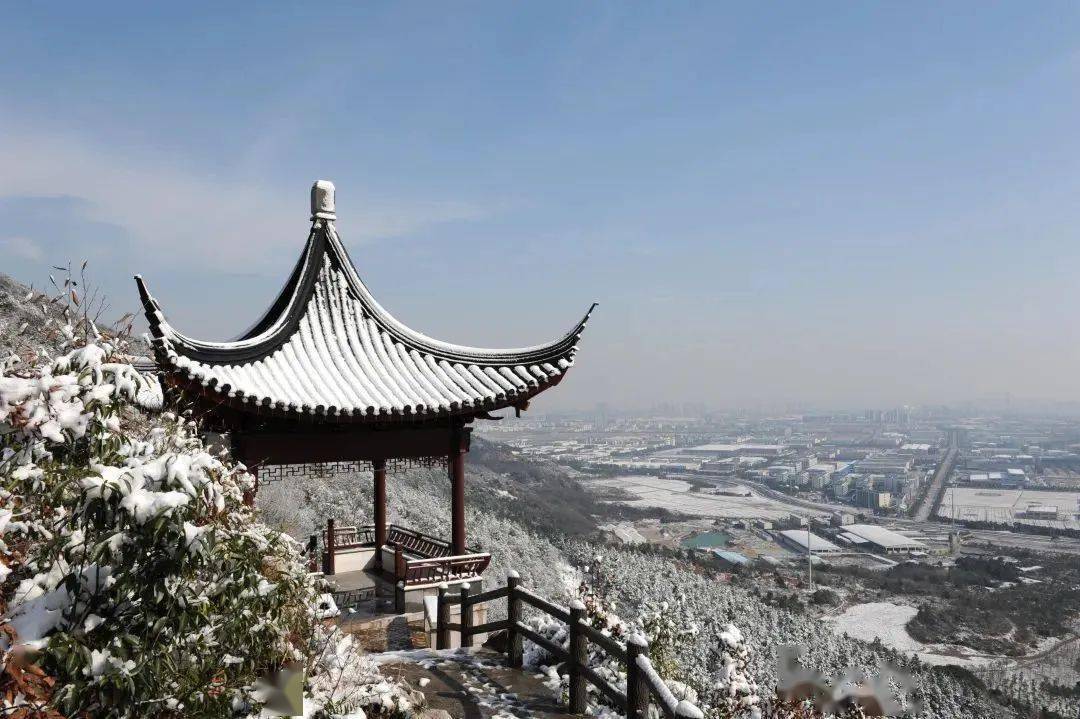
x=322 y=200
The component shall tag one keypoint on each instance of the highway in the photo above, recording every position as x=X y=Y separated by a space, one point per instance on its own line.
x=937 y=484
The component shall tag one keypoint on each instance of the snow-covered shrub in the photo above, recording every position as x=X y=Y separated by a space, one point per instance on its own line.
x=141 y=579
x=733 y=691
x=345 y=680
x=131 y=571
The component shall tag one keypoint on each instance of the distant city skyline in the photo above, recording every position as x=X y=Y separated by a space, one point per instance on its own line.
x=822 y=206
x=1008 y=406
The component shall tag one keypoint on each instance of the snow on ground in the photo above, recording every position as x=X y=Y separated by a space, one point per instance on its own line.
x=675 y=494
x=879 y=620
x=1009 y=505
x=887 y=621
x=624 y=532
x=479 y=680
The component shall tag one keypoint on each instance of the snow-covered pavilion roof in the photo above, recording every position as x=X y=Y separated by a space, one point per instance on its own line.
x=326 y=348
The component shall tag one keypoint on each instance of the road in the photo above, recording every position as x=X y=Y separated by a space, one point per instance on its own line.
x=937 y=484
x=767 y=491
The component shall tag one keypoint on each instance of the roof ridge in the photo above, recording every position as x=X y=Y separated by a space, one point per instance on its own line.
x=279 y=322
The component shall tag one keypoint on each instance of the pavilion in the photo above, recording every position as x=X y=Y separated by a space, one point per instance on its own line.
x=329 y=377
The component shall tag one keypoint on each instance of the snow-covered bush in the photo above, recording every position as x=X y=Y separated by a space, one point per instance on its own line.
x=343 y=679
x=733 y=691
x=141 y=579
x=133 y=579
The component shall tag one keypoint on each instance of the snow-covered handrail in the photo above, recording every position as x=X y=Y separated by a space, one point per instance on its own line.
x=670 y=705
x=642 y=680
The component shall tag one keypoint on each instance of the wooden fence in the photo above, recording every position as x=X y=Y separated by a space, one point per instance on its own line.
x=643 y=684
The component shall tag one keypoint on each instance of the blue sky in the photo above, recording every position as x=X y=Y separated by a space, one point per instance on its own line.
x=828 y=204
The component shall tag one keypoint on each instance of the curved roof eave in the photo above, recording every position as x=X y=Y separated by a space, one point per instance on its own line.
x=280 y=320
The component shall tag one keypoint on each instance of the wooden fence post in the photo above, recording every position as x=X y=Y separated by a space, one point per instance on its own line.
x=442 y=618
x=513 y=612
x=466 y=616
x=328 y=564
x=313 y=552
x=578 y=658
x=637 y=691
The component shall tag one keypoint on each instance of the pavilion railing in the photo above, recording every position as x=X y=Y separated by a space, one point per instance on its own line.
x=423 y=545
x=438 y=569
x=643 y=683
x=418 y=558
x=350 y=537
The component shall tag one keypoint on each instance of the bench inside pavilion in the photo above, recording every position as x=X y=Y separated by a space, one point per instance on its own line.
x=328 y=380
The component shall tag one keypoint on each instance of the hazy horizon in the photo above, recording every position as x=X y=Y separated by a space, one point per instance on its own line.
x=819 y=206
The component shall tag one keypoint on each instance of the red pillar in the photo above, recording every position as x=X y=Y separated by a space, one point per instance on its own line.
x=379 y=466
x=457 y=496
x=328 y=565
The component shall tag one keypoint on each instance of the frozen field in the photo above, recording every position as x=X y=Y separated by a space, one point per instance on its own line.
x=1008 y=505
x=886 y=621
x=675 y=495
x=879 y=620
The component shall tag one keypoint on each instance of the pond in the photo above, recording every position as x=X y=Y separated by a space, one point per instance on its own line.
x=706 y=540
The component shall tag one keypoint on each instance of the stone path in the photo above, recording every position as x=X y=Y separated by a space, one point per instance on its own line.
x=473 y=684
x=387 y=633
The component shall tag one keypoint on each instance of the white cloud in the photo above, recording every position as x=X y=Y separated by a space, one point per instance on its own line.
x=23 y=248
x=178 y=216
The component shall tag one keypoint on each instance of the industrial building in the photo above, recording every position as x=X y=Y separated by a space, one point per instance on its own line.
x=884 y=464
x=879 y=539
x=733 y=559
x=798 y=539
x=872 y=499
x=1040 y=511
x=840 y=519
x=736 y=450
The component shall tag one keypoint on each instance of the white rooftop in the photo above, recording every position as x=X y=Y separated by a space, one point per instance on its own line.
x=882 y=537
x=722 y=447
x=817 y=544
